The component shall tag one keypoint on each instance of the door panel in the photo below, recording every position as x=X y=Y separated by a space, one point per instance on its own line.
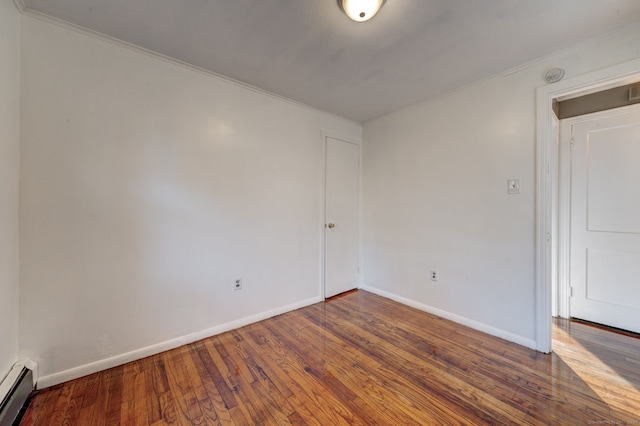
x=612 y=277
x=605 y=219
x=341 y=216
x=613 y=178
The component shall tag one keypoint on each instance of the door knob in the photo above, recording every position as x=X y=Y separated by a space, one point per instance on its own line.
x=331 y=225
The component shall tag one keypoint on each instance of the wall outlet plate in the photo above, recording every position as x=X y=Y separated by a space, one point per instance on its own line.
x=237 y=284
x=513 y=186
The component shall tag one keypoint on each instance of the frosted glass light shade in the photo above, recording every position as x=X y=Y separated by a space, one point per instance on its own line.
x=360 y=10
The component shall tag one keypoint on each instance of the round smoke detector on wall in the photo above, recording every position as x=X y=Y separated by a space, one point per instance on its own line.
x=554 y=75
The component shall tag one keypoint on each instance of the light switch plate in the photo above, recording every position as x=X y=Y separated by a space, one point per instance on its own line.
x=513 y=186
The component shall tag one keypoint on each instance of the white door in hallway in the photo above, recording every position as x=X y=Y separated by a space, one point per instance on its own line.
x=342 y=192
x=605 y=218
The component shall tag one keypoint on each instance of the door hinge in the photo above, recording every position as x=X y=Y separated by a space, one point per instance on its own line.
x=570 y=291
x=572 y=144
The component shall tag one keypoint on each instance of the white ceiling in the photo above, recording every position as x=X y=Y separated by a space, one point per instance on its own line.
x=309 y=51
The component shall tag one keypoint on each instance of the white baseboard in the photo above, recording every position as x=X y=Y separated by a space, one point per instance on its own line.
x=529 y=343
x=114 y=361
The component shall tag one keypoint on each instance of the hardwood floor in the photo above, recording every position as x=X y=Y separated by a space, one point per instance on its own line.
x=361 y=360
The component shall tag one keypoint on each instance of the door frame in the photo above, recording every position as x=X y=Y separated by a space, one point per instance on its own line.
x=323 y=205
x=547 y=181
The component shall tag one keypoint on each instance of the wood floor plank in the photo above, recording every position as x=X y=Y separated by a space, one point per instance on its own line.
x=192 y=375
x=181 y=385
x=114 y=403
x=208 y=355
x=323 y=405
x=63 y=401
x=42 y=405
x=342 y=363
x=127 y=408
x=154 y=411
x=213 y=407
x=307 y=358
x=163 y=394
x=94 y=385
x=489 y=371
x=242 y=410
x=465 y=362
x=361 y=359
x=72 y=412
x=276 y=402
x=371 y=394
x=443 y=386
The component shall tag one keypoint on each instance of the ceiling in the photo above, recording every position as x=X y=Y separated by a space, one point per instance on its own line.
x=309 y=51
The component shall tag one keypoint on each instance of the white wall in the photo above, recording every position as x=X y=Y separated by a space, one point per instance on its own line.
x=147 y=187
x=9 y=174
x=435 y=195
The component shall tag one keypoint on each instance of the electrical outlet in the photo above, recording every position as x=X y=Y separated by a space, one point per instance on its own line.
x=237 y=284
x=434 y=275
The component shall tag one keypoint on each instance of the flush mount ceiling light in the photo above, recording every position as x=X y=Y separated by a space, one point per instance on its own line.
x=360 y=10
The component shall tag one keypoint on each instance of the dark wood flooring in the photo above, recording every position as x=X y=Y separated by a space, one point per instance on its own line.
x=361 y=359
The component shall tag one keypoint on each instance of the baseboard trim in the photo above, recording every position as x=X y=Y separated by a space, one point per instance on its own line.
x=511 y=337
x=114 y=361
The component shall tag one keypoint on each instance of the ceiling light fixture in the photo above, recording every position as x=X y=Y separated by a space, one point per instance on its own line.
x=360 y=10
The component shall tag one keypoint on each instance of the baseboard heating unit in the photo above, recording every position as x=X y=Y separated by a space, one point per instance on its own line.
x=14 y=392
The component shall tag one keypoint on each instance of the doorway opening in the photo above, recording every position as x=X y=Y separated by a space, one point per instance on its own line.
x=549 y=231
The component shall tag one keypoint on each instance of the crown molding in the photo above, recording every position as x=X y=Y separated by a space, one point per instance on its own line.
x=159 y=56
x=20 y=5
